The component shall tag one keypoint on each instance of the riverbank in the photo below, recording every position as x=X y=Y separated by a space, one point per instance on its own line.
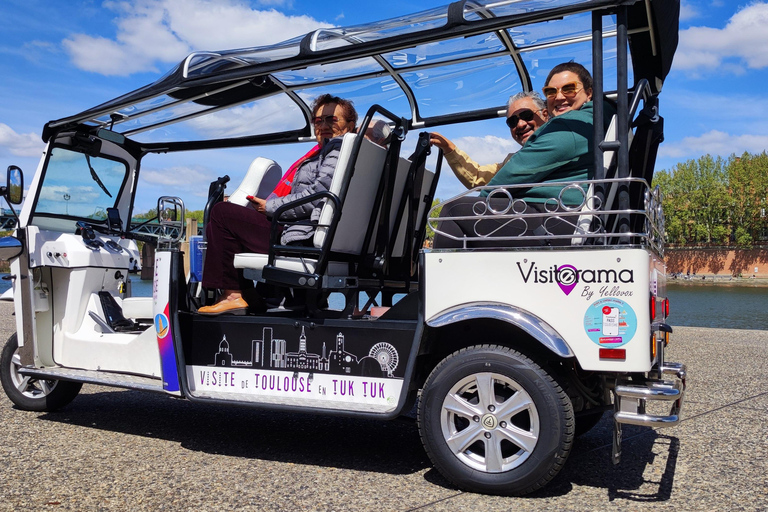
x=717 y=280
x=718 y=261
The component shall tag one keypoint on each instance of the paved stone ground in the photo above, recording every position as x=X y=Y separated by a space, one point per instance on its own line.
x=124 y=450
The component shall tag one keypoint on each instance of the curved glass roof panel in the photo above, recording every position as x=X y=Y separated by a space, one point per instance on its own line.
x=275 y=113
x=479 y=10
x=438 y=66
x=329 y=72
x=444 y=51
x=365 y=93
x=395 y=27
x=464 y=87
x=578 y=26
x=201 y=64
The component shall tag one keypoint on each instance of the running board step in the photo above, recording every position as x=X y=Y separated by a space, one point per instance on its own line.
x=117 y=380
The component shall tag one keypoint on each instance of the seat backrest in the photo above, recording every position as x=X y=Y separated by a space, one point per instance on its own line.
x=412 y=192
x=645 y=134
x=584 y=223
x=422 y=192
x=260 y=180
x=359 y=199
x=403 y=166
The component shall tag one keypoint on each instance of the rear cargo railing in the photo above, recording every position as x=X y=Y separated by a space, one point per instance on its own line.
x=583 y=225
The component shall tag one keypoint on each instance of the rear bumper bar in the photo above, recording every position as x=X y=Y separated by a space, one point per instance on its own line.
x=631 y=399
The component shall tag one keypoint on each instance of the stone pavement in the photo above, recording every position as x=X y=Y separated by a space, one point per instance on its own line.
x=114 y=449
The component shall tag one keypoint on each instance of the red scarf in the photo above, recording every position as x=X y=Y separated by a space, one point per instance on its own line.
x=283 y=188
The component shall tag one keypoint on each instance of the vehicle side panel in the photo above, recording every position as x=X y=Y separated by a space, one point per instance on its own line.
x=592 y=299
x=328 y=364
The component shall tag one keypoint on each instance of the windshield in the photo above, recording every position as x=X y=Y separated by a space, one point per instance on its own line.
x=78 y=185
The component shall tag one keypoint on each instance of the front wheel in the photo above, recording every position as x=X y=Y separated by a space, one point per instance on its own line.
x=493 y=421
x=29 y=393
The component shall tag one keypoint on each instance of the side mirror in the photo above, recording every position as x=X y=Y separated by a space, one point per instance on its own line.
x=14 y=185
x=170 y=214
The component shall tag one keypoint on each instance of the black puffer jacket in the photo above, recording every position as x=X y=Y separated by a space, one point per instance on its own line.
x=314 y=175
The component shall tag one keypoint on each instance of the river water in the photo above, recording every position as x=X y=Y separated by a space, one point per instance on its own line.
x=720 y=306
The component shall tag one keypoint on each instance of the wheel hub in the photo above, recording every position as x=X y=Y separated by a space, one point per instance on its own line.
x=489 y=421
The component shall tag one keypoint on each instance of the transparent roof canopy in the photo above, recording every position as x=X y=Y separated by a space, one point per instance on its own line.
x=439 y=66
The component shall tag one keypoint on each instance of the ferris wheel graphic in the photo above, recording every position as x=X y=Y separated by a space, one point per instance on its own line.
x=386 y=355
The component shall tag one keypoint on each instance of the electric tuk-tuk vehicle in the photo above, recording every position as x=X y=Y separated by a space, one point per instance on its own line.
x=508 y=349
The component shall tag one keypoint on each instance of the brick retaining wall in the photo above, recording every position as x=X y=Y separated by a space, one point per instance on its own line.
x=718 y=261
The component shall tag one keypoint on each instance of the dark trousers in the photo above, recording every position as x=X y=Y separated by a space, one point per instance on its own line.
x=232 y=229
x=481 y=228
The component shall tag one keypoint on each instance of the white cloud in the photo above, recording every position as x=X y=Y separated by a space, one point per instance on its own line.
x=737 y=46
x=179 y=179
x=488 y=149
x=688 y=11
x=155 y=33
x=268 y=115
x=714 y=143
x=20 y=144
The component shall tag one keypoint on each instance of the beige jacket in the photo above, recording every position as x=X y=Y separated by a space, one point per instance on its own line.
x=470 y=173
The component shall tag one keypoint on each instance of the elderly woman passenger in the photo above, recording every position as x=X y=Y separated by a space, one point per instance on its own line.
x=234 y=229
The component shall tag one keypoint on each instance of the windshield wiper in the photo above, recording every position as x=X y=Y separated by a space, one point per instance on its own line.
x=96 y=176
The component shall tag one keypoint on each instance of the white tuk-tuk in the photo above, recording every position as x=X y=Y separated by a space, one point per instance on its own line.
x=508 y=346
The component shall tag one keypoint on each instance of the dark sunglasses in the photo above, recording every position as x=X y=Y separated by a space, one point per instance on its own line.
x=329 y=120
x=526 y=115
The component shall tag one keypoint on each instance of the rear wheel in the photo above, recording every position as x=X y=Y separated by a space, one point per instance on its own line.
x=493 y=421
x=29 y=393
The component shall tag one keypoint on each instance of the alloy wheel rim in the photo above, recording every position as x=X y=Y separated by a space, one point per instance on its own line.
x=490 y=422
x=28 y=386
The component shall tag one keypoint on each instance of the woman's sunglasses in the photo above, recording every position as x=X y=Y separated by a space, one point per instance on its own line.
x=329 y=120
x=569 y=90
x=526 y=115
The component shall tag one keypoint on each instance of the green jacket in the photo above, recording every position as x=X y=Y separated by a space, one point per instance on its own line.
x=561 y=150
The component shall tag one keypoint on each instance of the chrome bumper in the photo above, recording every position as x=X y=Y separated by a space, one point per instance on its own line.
x=631 y=399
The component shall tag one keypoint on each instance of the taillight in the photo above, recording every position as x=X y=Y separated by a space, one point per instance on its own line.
x=613 y=353
x=653 y=308
x=666 y=307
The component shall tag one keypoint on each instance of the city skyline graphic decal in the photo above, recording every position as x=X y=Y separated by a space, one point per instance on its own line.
x=269 y=352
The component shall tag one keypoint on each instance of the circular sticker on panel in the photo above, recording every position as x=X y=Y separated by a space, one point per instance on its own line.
x=161 y=325
x=610 y=322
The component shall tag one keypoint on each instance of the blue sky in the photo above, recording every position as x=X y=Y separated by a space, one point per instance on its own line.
x=59 y=58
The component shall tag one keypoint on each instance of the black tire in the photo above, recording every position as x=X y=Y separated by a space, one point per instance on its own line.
x=32 y=394
x=477 y=440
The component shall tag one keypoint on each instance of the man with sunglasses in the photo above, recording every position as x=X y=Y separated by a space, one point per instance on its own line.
x=525 y=114
x=562 y=149
x=559 y=151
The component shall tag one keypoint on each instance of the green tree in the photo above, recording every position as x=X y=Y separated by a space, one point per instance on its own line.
x=696 y=201
x=716 y=201
x=433 y=214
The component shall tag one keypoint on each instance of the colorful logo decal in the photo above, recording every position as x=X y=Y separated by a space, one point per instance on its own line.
x=161 y=325
x=610 y=322
x=567 y=278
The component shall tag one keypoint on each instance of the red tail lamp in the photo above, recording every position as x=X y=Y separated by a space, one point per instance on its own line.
x=613 y=353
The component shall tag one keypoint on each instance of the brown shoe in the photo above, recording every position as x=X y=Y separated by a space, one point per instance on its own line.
x=229 y=307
